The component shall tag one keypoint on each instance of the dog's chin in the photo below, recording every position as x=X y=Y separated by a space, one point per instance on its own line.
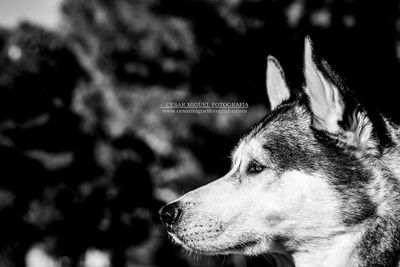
x=192 y=247
x=246 y=248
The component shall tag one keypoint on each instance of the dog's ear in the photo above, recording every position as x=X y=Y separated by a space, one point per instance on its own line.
x=334 y=111
x=277 y=88
x=325 y=99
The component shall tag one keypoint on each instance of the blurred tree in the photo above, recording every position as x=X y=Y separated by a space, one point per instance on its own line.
x=217 y=45
x=39 y=72
x=131 y=41
x=41 y=145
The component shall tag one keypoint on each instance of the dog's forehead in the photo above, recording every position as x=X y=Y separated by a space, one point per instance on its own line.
x=287 y=120
x=251 y=145
x=287 y=129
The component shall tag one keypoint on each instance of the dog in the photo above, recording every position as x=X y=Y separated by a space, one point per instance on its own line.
x=314 y=183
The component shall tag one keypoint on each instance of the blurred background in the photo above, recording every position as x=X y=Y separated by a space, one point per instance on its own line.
x=86 y=155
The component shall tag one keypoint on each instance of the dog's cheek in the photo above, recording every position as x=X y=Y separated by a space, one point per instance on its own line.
x=298 y=197
x=306 y=202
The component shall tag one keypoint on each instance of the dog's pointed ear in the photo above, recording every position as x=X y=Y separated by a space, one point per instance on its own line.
x=277 y=88
x=325 y=100
x=333 y=110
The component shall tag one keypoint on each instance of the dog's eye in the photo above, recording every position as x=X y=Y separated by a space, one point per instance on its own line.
x=255 y=168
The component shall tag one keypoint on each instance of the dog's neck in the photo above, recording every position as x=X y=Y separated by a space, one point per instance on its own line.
x=380 y=242
x=338 y=251
x=373 y=242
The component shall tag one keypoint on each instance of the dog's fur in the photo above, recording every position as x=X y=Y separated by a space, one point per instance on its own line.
x=315 y=182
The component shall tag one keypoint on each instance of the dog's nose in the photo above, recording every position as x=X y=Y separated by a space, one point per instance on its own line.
x=170 y=214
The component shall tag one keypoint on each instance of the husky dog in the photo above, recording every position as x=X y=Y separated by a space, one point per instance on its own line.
x=315 y=183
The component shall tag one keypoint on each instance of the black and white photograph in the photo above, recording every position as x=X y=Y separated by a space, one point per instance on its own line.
x=199 y=133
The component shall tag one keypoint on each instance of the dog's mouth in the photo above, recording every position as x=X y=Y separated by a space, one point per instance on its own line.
x=211 y=246
x=240 y=247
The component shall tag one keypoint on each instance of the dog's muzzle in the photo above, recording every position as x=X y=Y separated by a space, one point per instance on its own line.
x=170 y=214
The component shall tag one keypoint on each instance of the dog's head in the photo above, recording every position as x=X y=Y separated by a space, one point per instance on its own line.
x=297 y=177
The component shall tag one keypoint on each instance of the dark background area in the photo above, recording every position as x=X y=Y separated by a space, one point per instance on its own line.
x=87 y=157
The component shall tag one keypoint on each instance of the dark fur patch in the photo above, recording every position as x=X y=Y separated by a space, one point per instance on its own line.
x=380 y=245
